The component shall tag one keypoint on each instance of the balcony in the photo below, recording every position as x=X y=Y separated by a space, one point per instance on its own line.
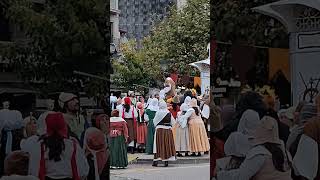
x=114 y=7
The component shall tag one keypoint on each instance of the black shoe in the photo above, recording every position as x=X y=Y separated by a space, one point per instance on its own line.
x=155 y=164
x=132 y=150
x=193 y=154
x=166 y=164
x=186 y=154
x=206 y=152
x=179 y=155
x=199 y=154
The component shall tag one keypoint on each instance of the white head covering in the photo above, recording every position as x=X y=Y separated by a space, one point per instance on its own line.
x=187 y=100
x=184 y=107
x=305 y=162
x=113 y=99
x=237 y=145
x=249 y=121
x=117 y=119
x=154 y=104
x=161 y=113
x=149 y=101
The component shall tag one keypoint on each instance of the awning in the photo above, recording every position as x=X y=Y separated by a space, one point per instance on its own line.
x=203 y=65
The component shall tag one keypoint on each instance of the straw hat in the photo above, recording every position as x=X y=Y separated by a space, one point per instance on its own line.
x=267 y=132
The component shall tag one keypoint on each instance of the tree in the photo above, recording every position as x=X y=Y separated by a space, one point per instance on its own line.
x=62 y=36
x=180 y=39
x=130 y=71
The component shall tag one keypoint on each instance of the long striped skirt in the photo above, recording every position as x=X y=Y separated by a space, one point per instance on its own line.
x=164 y=148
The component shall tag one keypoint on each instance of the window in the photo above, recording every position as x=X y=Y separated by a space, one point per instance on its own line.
x=111 y=31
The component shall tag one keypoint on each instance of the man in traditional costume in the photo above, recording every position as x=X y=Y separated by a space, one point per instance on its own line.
x=69 y=104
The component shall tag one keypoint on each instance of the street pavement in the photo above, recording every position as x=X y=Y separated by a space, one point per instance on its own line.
x=186 y=168
x=172 y=172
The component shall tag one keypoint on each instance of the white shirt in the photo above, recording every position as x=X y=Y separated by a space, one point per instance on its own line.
x=128 y=114
x=55 y=170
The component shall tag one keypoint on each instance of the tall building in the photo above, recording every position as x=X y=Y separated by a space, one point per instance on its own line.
x=114 y=21
x=138 y=16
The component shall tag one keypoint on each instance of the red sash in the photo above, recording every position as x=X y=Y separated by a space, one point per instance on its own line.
x=42 y=170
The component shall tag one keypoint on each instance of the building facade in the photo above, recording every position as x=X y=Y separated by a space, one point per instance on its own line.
x=114 y=21
x=138 y=16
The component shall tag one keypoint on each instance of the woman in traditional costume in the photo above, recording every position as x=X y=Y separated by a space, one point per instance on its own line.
x=153 y=107
x=182 y=132
x=129 y=114
x=97 y=154
x=142 y=128
x=267 y=158
x=164 y=148
x=54 y=155
x=118 y=141
x=197 y=132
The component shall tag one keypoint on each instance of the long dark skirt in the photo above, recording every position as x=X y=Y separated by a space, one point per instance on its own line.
x=150 y=137
x=165 y=147
x=131 y=130
x=118 y=152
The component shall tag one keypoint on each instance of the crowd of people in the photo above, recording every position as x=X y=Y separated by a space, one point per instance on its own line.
x=164 y=127
x=61 y=144
x=257 y=141
x=65 y=143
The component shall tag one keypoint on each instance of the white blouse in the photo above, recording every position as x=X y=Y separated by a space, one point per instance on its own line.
x=55 y=170
x=128 y=114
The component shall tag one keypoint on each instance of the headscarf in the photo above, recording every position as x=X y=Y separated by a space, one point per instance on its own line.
x=99 y=118
x=237 y=145
x=187 y=100
x=266 y=132
x=154 y=105
x=161 y=113
x=56 y=125
x=248 y=122
x=127 y=101
x=95 y=143
x=17 y=162
x=184 y=107
x=193 y=103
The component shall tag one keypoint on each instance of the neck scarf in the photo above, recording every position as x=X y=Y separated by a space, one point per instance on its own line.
x=95 y=143
x=161 y=113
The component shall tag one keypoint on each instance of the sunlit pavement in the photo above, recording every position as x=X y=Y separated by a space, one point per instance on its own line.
x=145 y=170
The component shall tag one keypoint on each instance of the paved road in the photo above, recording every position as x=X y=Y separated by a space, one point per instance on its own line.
x=173 y=172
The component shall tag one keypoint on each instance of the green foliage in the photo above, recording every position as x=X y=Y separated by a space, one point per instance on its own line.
x=62 y=36
x=131 y=70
